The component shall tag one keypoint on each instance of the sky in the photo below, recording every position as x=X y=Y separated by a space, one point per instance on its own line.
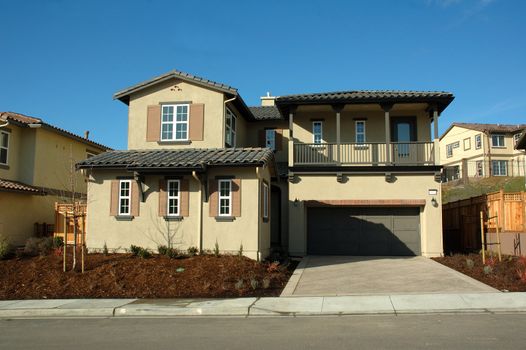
x=63 y=60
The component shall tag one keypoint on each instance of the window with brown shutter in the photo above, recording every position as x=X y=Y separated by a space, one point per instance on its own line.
x=225 y=198
x=213 y=198
x=153 y=123
x=114 y=198
x=236 y=197
x=135 y=198
x=163 y=199
x=125 y=198
x=197 y=117
x=185 y=194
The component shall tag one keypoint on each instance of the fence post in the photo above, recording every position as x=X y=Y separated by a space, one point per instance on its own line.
x=501 y=210
x=483 y=238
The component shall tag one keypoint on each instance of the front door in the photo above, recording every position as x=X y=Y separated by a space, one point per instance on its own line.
x=403 y=136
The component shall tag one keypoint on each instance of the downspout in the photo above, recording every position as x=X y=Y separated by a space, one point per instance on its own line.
x=258 y=177
x=4 y=125
x=224 y=119
x=200 y=213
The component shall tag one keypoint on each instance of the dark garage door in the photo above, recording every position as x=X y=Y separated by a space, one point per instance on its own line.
x=363 y=231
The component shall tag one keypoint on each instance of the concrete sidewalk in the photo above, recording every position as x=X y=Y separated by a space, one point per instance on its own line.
x=248 y=307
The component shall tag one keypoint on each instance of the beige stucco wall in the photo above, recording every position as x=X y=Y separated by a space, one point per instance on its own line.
x=19 y=212
x=254 y=128
x=20 y=155
x=176 y=91
x=366 y=187
x=149 y=230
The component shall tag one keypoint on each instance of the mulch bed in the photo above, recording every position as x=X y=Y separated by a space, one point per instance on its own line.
x=504 y=275
x=127 y=276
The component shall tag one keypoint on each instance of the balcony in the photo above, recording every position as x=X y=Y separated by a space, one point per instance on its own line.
x=364 y=154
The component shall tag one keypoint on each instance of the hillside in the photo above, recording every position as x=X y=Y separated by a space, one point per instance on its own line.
x=454 y=191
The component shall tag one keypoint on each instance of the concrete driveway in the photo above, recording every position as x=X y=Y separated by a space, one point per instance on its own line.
x=358 y=275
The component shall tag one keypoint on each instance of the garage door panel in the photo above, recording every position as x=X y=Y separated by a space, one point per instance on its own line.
x=363 y=231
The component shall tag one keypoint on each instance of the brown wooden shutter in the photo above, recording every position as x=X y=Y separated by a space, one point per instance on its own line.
x=163 y=197
x=262 y=139
x=135 y=198
x=114 y=198
x=279 y=139
x=236 y=197
x=197 y=118
x=213 y=197
x=261 y=202
x=153 y=123
x=184 y=195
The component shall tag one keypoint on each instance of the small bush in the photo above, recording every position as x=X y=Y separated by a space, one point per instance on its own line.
x=5 y=248
x=240 y=252
x=169 y=251
x=135 y=250
x=216 y=249
x=488 y=269
x=239 y=284
x=162 y=249
x=140 y=252
x=192 y=251
x=273 y=267
x=38 y=246
x=58 y=242
x=254 y=283
x=105 y=249
x=470 y=263
x=266 y=283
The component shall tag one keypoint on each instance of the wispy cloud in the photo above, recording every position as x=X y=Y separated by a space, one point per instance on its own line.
x=467 y=9
x=507 y=105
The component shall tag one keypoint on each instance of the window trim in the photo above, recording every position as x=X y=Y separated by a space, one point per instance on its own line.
x=229 y=129
x=449 y=150
x=314 y=122
x=174 y=122
x=220 y=197
x=503 y=141
x=505 y=167
x=273 y=139
x=177 y=197
x=479 y=165
x=8 y=134
x=516 y=138
x=356 y=122
x=467 y=144
x=128 y=197
x=478 y=141
x=265 y=200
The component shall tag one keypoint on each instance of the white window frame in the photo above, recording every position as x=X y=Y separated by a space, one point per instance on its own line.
x=493 y=162
x=498 y=136
x=265 y=200
x=270 y=139
x=176 y=197
x=449 y=150
x=8 y=135
x=174 y=122
x=128 y=197
x=479 y=168
x=320 y=122
x=220 y=197
x=478 y=141
x=356 y=133
x=230 y=129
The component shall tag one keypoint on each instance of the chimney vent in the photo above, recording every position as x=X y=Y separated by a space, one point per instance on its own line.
x=268 y=100
x=86 y=134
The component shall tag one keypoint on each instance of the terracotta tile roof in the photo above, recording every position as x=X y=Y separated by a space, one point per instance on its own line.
x=266 y=113
x=15 y=186
x=190 y=158
x=27 y=120
x=505 y=128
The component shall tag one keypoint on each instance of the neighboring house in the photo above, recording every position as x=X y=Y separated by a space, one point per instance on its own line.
x=36 y=170
x=481 y=150
x=334 y=173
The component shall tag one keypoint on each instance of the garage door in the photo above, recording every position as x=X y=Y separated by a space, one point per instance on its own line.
x=363 y=231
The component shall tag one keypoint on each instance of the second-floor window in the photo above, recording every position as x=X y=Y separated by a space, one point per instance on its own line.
x=174 y=122
x=317 y=132
x=225 y=197
x=270 y=139
x=230 y=129
x=173 y=197
x=497 y=140
x=4 y=147
x=478 y=141
x=124 y=197
x=360 y=131
x=449 y=150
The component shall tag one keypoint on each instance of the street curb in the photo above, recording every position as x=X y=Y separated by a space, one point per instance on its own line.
x=294 y=279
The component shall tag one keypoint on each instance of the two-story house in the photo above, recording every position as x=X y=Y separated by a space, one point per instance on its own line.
x=36 y=170
x=481 y=150
x=334 y=173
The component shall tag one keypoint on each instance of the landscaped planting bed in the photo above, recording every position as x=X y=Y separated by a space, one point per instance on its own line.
x=129 y=276
x=508 y=275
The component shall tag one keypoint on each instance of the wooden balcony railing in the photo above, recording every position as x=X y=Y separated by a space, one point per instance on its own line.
x=400 y=153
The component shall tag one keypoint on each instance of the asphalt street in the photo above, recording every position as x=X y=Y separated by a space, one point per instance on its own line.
x=466 y=331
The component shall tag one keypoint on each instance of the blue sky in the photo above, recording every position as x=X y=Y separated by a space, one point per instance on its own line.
x=63 y=60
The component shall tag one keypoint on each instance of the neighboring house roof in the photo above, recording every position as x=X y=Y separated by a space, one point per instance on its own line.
x=15 y=186
x=182 y=159
x=441 y=98
x=266 y=113
x=492 y=128
x=124 y=95
x=27 y=121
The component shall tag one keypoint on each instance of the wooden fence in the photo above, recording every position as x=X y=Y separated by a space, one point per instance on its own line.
x=65 y=215
x=461 y=222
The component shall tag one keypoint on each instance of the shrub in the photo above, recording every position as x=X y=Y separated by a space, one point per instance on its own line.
x=192 y=251
x=273 y=267
x=169 y=251
x=38 y=246
x=135 y=250
x=488 y=269
x=58 y=242
x=240 y=252
x=5 y=248
x=162 y=249
x=144 y=253
x=239 y=284
x=216 y=249
x=470 y=263
x=105 y=249
x=254 y=283
x=266 y=282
